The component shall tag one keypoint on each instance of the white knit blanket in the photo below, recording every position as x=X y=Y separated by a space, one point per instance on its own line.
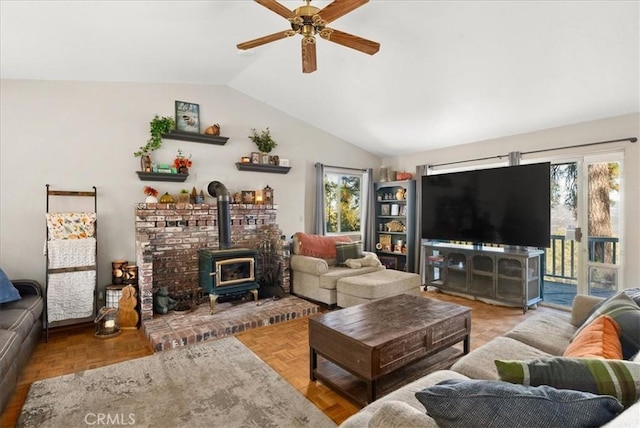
x=64 y=253
x=70 y=295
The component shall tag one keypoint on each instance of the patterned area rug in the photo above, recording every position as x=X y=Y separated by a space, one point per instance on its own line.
x=220 y=383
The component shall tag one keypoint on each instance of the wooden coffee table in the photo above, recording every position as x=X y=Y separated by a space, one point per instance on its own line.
x=353 y=350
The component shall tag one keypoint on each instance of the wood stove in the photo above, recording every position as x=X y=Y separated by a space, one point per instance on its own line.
x=227 y=271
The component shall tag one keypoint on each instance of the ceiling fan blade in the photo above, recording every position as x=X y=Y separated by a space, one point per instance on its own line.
x=263 y=40
x=276 y=7
x=308 y=56
x=339 y=8
x=350 y=41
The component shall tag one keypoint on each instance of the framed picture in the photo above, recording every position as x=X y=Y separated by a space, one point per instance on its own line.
x=403 y=210
x=385 y=209
x=389 y=262
x=255 y=157
x=395 y=209
x=264 y=159
x=273 y=160
x=187 y=117
x=248 y=196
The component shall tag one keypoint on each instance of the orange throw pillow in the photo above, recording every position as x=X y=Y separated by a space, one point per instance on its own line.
x=600 y=339
x=323 y=247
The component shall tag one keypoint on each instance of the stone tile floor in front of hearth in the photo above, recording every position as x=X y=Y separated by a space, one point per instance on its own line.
x=174 y=330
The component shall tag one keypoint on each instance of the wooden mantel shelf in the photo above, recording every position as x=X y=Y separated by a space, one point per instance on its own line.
x=257 y=167
x=196 y=138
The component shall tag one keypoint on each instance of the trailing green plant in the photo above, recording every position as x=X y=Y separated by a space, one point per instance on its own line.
x=263 y=140
x=157 y=127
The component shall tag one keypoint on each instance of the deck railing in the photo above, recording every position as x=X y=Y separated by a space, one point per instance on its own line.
x=561 y=256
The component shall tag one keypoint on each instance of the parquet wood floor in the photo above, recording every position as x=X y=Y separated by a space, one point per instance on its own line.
x=283 y=346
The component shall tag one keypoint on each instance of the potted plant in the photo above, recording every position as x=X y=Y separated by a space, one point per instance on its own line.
x=157 y=127
x=183 y=196
x=263 y=140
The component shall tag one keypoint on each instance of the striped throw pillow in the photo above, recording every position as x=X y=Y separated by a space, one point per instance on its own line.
x=618 y=378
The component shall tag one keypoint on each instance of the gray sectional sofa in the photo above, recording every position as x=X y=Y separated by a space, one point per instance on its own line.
x=542 y=335
x=20 y=331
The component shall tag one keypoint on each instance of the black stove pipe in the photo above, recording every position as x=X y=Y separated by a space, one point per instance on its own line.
x=220 y=192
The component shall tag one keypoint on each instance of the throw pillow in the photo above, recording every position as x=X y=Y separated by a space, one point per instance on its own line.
x=600 y=339
x=627 y=314
x=8 y=293
x=367 y=260
x=460 y=403
x=323 y=247
x=348 y=250
x=618 y=378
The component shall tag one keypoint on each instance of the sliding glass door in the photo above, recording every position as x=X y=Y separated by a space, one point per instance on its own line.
x=585 y=253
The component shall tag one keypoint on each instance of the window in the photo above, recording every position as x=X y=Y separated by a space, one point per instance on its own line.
x=343 y=200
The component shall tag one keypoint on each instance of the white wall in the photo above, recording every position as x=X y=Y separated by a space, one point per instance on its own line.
x=594 y=131
x=74 y=135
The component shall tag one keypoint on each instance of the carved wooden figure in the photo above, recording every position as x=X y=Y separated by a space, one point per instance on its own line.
x=127 y=317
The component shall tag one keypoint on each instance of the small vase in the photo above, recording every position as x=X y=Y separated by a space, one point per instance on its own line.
x=151 y=200
x=146 y=164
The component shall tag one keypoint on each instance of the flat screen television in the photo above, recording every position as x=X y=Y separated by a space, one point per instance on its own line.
x=509 y=205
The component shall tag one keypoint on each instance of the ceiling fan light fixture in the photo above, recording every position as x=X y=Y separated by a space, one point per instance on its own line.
x=308 y=21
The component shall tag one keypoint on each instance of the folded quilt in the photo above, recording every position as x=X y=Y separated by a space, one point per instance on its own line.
x=70 y=295
x=71 y=253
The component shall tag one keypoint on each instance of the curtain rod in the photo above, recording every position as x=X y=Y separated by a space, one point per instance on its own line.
x=630 y=139
x=343 y=167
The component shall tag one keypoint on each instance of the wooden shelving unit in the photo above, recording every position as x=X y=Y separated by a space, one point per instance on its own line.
x=196 y=138
x=256 y=167
x=404 y=213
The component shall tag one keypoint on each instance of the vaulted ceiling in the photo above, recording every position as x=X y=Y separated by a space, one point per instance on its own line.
x=447 y=72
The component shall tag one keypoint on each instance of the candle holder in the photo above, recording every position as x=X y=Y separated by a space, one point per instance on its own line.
x=105 y=323
x=267 y=194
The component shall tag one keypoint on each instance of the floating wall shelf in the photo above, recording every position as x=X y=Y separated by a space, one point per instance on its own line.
x=256 y=167
x=161 y=176
x=196 y=138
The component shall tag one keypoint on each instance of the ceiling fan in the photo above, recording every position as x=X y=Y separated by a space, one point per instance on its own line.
x=308 y=21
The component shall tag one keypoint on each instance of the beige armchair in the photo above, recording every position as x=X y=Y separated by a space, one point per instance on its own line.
x=315 y=270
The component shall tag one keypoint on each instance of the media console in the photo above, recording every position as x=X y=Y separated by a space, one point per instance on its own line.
x=500 y=275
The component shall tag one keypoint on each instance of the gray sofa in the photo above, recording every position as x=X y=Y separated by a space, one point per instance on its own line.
x=20 y=330
x=542 y=335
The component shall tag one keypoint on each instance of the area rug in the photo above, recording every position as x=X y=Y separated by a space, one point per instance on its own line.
x=220 y=383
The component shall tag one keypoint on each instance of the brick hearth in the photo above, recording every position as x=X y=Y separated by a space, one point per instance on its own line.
x=175 y=330
x=168 y=237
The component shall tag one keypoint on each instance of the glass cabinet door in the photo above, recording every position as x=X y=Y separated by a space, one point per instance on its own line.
x=456 y=271
x=482 y=275
x=510 y=277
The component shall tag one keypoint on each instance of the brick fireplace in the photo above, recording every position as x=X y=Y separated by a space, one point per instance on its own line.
x=168 y=237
